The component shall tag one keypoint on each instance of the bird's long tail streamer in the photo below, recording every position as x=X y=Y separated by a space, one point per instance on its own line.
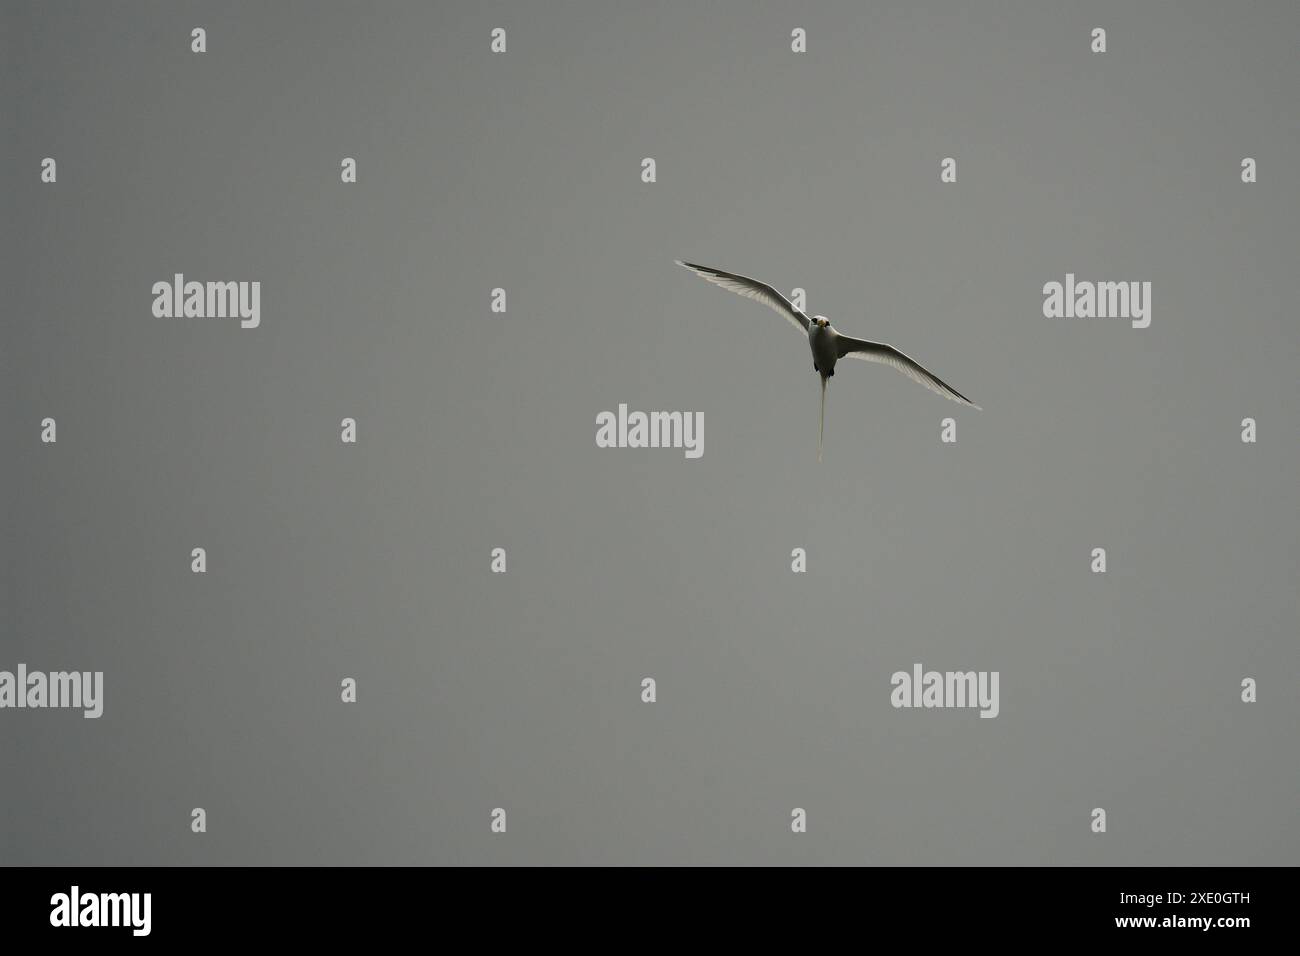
x=821 y=422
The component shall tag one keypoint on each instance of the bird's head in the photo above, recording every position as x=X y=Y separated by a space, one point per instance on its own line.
x=821 y=321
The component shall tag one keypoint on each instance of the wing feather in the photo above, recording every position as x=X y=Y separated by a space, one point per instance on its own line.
x=751 y=289
x=850 y=347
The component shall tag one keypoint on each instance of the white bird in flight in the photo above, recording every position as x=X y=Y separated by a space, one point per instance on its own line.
x=828 y=346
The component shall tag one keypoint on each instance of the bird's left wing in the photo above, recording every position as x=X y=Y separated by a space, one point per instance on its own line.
x=850 y=347
x=751 y=289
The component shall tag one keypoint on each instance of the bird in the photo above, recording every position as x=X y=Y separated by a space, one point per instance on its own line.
x=827 y=343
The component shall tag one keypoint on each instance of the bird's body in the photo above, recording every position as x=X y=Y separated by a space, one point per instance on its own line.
x=821 y=339
x=827 y=344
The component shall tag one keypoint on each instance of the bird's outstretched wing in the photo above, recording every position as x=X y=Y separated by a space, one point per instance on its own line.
x=850 y=347
x=751 y=289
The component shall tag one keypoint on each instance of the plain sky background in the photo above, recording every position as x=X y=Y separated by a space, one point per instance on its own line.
x=476 y=431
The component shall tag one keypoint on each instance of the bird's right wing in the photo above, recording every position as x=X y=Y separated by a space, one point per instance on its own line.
x=751 y=289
